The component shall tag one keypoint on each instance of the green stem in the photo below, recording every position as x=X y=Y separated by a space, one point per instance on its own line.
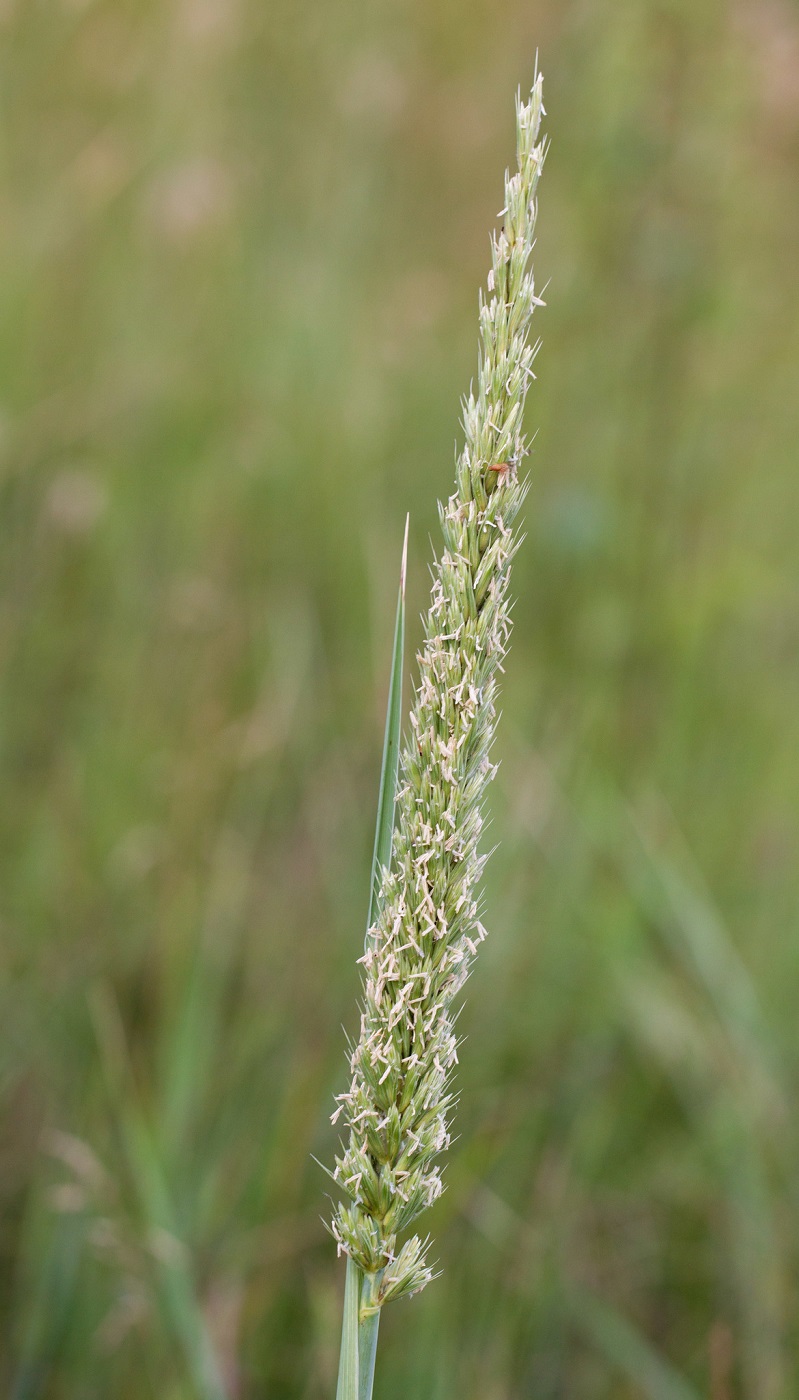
x=367 y=1336
x=356 y=1367
x=347 y=1388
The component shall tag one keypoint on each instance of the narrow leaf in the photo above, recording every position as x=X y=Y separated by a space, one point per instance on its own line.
x=629 y=1350
x=384 y=830
x=347 y=1388
x=176 y=1284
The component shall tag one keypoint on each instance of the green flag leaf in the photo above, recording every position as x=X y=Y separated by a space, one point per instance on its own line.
x=384 y=830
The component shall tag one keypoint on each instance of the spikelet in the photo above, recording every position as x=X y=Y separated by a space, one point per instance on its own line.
x=419 y=951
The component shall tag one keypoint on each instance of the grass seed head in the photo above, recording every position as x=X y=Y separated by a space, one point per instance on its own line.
x=427 y=931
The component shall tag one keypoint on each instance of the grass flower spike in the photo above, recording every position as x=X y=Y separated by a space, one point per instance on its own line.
x=427 y=927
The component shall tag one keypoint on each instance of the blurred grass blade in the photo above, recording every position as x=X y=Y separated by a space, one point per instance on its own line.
x=626 y=1348
x=384 y=830
x=51 y=1306
x=347 y=1388
x=180 y=1305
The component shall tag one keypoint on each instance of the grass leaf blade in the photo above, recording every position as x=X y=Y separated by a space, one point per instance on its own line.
x=384 y=829
x=626 y=1348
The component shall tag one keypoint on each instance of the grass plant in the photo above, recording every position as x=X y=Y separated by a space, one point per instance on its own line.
x=239 y=245
x=424 y=926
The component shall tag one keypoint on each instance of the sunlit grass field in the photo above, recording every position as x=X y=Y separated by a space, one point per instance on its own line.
x=240 y=249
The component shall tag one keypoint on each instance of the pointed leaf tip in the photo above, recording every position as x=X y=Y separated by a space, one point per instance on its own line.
x=404 y=565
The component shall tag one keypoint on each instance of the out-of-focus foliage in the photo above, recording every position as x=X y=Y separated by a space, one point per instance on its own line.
x=240 y=246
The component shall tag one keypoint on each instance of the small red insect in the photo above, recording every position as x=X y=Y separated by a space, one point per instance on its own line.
x=500 y=470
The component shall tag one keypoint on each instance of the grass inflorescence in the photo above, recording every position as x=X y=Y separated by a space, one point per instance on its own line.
x=427 y=928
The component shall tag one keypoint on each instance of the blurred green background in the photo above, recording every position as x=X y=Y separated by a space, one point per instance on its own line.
x=240 y=248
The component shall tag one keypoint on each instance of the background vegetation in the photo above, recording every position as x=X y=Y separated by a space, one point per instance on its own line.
x=240 y=248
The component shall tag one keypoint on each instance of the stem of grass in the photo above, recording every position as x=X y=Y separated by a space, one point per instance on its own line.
x=348 y=1382
x=368 y=1324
